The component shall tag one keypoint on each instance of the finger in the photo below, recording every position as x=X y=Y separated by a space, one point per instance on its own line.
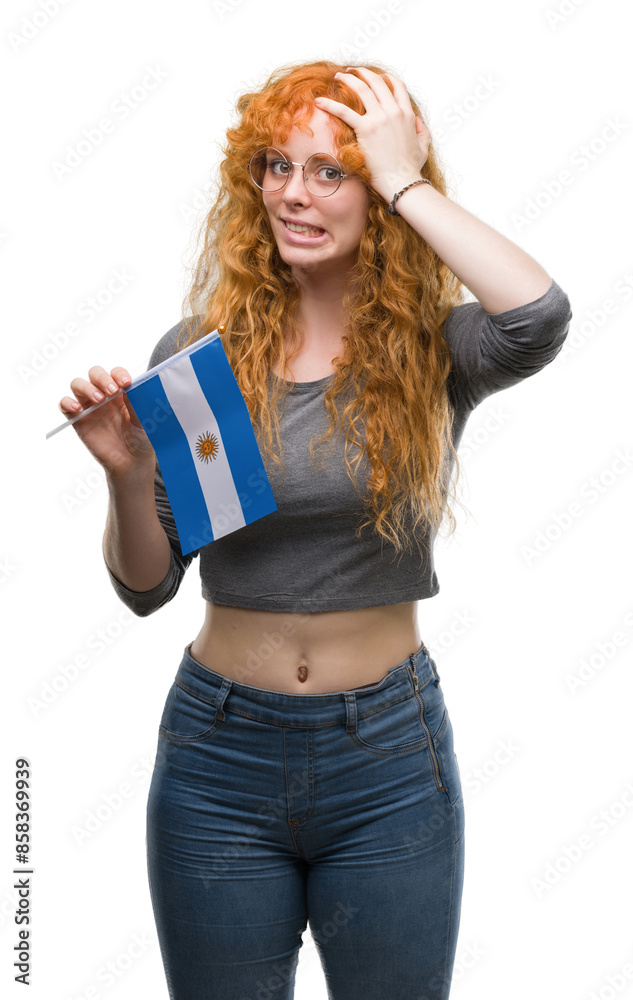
x=85 y=390
x=402 y=94
x=351 y=118
x=121 y=375
x=68 y=405
x=101 y=385
x=130 y=409
x=77 y=407
x=420 y=127
x=103 y=380
x=362 y=88
x=379 y=88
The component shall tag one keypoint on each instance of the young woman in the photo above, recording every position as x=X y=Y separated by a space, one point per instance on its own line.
x=305 y=768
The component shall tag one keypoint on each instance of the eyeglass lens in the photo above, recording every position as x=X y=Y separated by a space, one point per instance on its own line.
x=269 y=169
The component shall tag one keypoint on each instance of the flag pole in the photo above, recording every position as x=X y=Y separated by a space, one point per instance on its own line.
x=84 y=413
x=95 y=406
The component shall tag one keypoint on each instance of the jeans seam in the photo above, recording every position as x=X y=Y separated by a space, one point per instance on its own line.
x=194 y=694
x=446 y=986
x=386 y=751
x=176 y=738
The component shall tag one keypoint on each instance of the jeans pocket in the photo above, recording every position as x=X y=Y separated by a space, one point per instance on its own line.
x=449 y=767
x=187 y=717
x=393 y=729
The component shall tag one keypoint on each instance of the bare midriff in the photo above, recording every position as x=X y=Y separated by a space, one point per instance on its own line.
x=306 y=653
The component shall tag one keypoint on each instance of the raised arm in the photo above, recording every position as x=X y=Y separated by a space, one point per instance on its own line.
x=500 y=275
x=395 y=143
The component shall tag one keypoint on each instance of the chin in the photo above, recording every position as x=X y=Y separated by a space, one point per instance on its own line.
x=299 y=255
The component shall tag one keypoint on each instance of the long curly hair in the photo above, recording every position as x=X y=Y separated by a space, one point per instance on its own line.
x=396 y=299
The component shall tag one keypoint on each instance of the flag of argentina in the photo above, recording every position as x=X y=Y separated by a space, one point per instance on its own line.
x=194 y=414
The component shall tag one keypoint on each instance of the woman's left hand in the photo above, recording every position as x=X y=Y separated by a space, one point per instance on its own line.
x=393 y=138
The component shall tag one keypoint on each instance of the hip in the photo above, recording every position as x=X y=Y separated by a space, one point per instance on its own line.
x=393 y=733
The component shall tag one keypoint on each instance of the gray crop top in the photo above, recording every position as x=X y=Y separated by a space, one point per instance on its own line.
x=305 y=556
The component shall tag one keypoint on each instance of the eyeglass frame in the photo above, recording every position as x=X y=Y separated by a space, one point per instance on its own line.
x=294 y=164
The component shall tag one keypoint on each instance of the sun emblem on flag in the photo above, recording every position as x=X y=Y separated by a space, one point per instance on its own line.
x=207 y=447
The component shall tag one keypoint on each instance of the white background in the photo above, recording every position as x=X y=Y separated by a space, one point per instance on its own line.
x=508 y=629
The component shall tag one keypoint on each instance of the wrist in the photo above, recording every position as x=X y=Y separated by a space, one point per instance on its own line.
x=399 y=187
x=136 y=480
x=395 y=201
x=392 y=183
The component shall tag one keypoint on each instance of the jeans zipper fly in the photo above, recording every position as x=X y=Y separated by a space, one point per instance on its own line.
x=438 y=779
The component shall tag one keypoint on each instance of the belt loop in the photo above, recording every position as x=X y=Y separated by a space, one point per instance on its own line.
x=351 y=717
x=227 y=684
x=434 y=669
x=436 y=676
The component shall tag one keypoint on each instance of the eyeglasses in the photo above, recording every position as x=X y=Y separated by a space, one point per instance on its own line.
x=269 y=170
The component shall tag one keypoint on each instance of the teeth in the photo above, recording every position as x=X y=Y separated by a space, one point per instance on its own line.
x=303 y=229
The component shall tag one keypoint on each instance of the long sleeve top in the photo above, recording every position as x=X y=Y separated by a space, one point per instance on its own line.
x=306 y=556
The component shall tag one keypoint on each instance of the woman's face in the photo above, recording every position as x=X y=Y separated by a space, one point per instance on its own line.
x=342 y=215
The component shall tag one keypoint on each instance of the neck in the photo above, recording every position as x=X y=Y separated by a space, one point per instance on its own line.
x=320 y=310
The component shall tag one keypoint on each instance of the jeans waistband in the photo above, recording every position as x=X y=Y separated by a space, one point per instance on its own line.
x=285 y=709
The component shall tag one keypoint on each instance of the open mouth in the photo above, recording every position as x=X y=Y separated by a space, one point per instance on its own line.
x=310 y=231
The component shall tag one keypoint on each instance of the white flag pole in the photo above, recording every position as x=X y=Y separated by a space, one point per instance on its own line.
x=78 y=416
x=141 y=378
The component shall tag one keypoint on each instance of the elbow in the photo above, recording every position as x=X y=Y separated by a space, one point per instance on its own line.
x=142 y=612
x=143 y=603
x=560 y=320
x=144 y=608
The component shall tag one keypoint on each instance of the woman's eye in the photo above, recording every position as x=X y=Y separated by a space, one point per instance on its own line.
x=329 y=173
x=277 y=166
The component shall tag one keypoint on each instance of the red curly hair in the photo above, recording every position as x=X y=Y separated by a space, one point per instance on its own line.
x=397 y=298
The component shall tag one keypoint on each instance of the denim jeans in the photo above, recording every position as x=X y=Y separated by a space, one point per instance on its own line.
x=269 y=810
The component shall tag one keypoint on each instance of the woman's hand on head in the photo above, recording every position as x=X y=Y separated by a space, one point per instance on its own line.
x=394 y=140
x=112 y=433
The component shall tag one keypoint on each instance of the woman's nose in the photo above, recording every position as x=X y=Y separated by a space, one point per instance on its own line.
x=295 y=186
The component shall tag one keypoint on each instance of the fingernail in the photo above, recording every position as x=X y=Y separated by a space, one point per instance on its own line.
x=111 y=387
x=125 y=380
x=98 y=395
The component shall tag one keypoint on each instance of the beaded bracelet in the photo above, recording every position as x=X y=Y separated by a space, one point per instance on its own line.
x=392 y=207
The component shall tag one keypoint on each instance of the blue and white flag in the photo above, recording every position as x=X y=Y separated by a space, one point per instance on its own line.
x=194 y=414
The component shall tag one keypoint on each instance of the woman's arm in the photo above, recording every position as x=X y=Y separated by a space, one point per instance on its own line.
x=135 y=546
x=395 y=142
x=500 y=275
x=141 y=549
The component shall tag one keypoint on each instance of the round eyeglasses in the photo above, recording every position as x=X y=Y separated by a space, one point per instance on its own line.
x=269 y=170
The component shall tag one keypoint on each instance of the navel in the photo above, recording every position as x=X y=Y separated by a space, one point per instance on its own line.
x=303 y=673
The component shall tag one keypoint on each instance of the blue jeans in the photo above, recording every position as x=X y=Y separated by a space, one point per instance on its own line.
x=267 y=810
